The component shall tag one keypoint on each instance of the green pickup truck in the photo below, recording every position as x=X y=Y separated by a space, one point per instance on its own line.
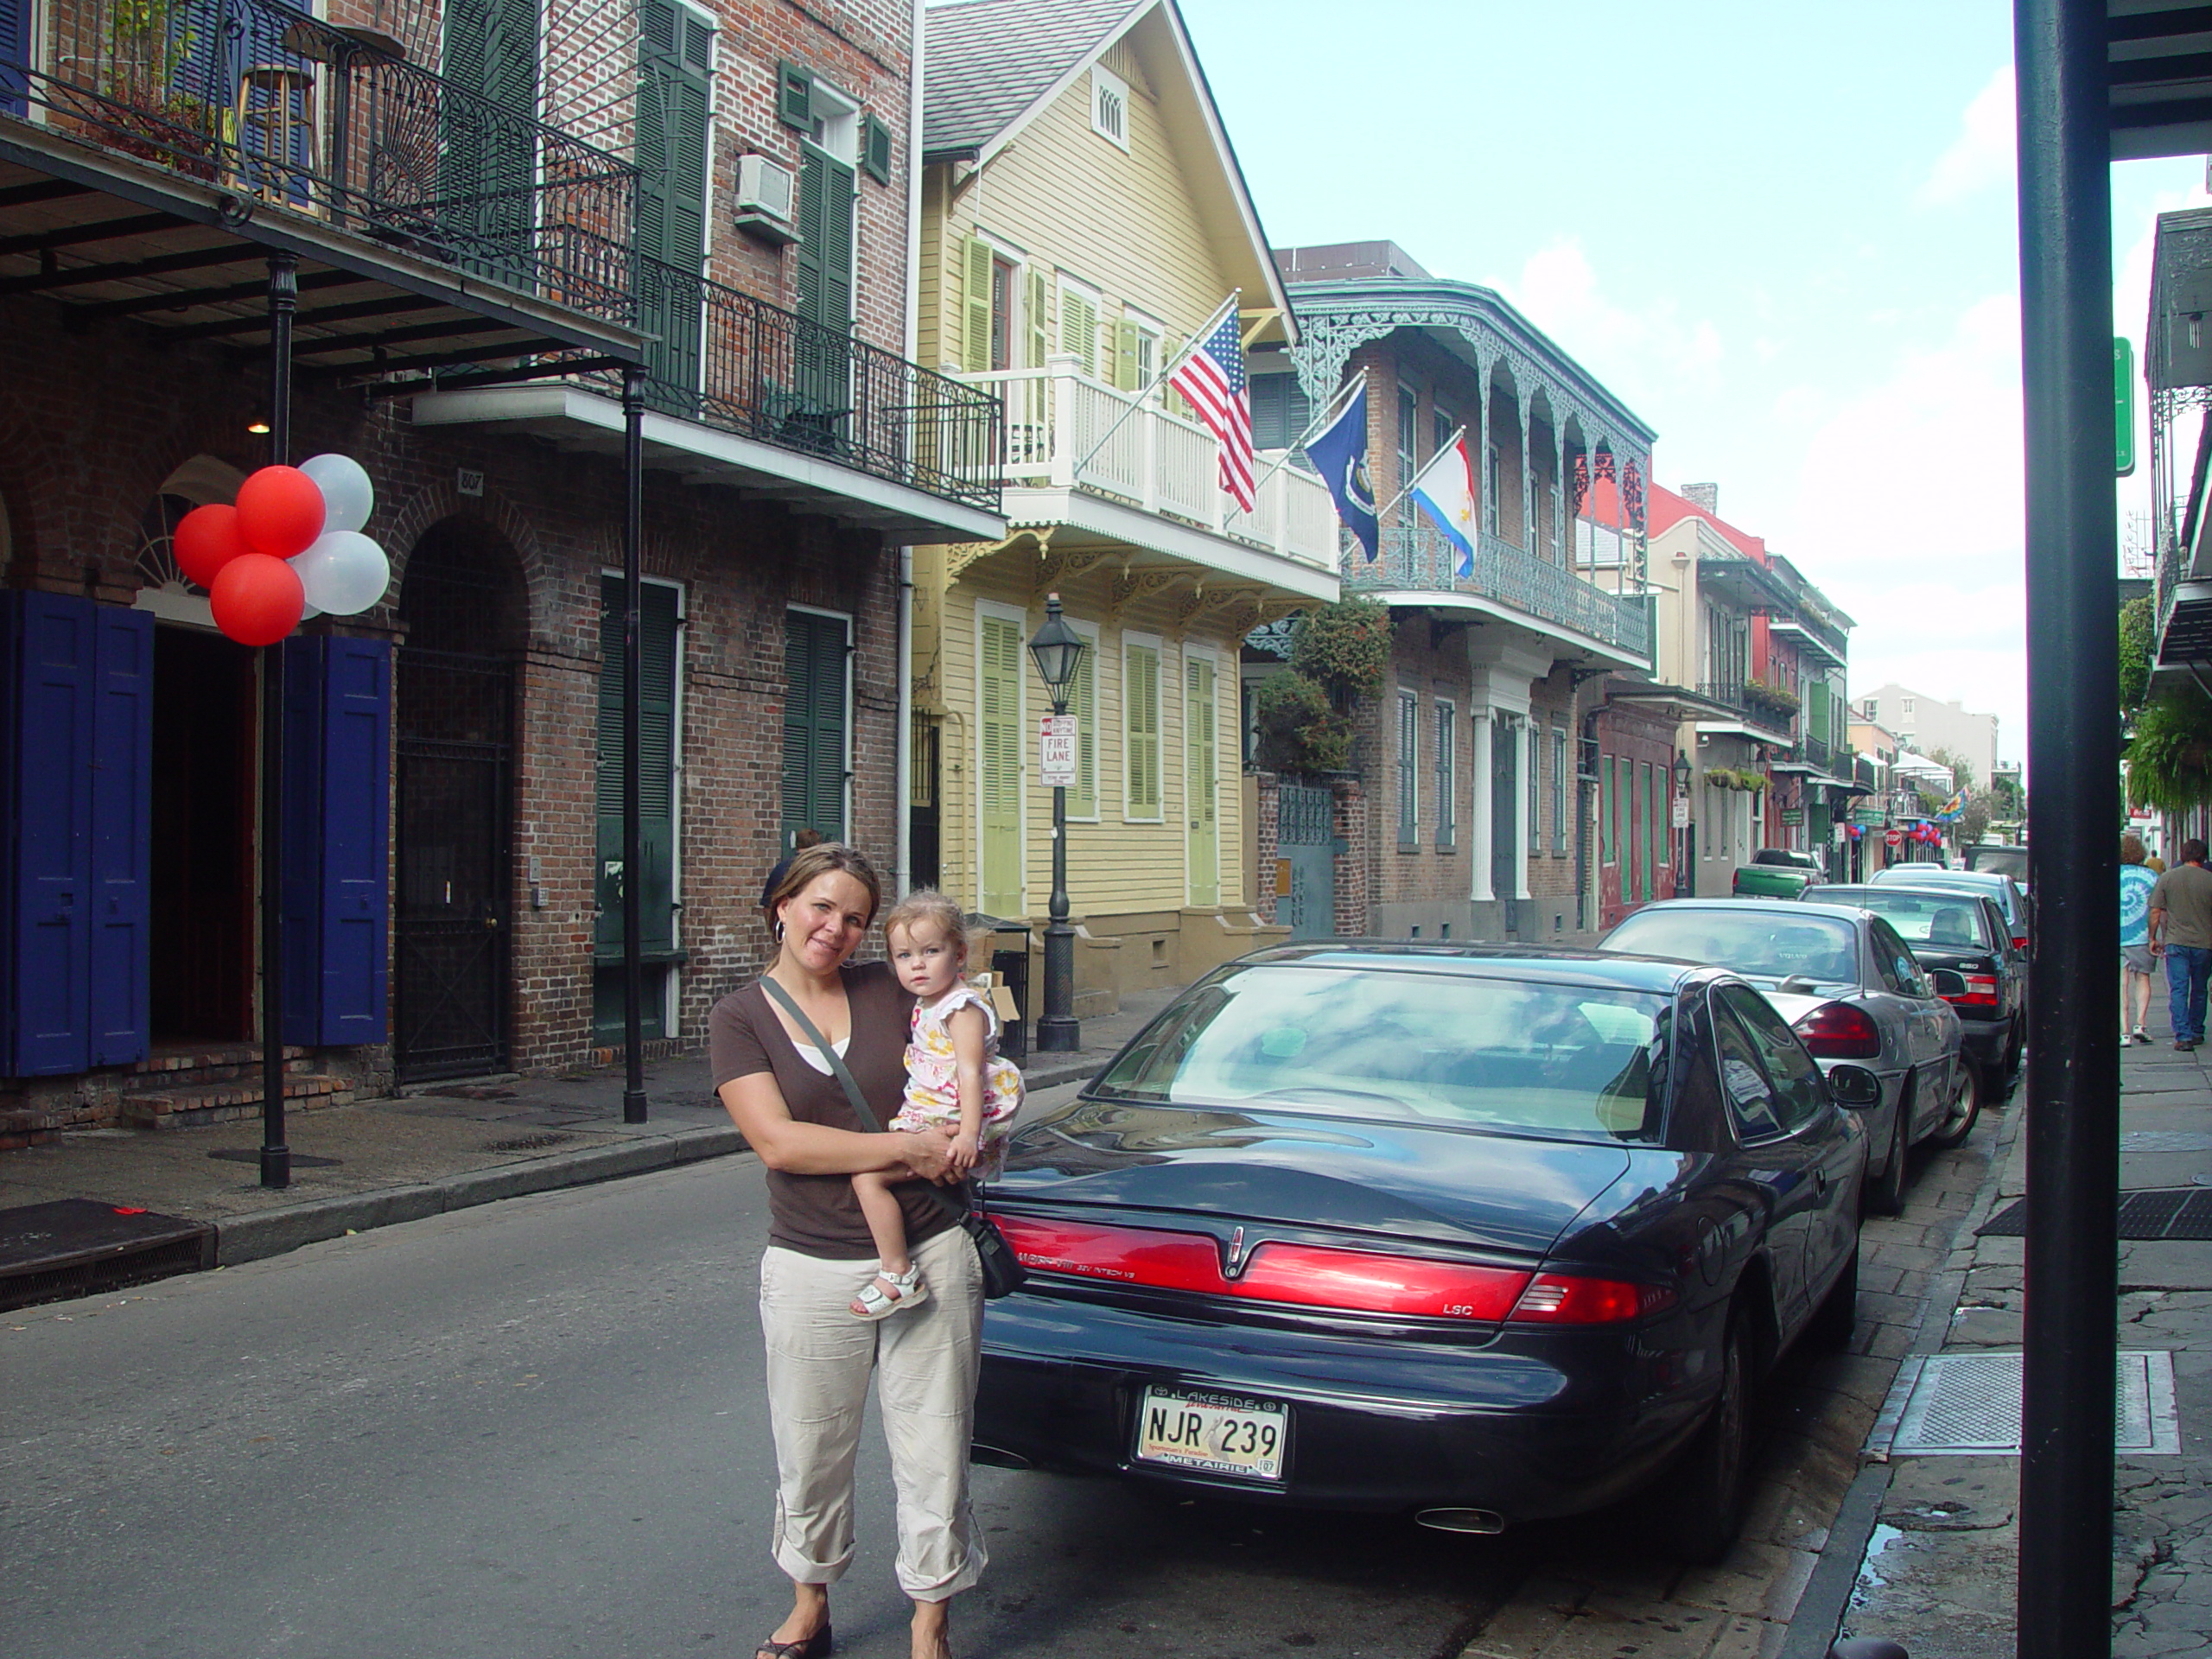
x=1774 y=872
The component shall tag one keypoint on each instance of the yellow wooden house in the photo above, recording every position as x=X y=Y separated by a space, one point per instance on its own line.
x=1083 y=214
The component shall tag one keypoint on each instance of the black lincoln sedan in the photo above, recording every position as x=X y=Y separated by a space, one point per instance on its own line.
x=1479 y=1234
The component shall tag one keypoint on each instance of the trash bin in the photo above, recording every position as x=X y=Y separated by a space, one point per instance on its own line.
x=1010 y=962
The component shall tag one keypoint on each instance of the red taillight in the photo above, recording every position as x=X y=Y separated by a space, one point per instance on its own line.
x=1562 y=1299
x=2019 y=941
x=1305 y=1275
x=1980 y=992
x=1837 y=1031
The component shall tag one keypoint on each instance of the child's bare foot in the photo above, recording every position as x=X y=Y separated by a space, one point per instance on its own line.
x=888 y=1292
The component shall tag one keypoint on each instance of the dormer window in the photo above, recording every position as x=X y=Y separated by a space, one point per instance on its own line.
x=1110 y=105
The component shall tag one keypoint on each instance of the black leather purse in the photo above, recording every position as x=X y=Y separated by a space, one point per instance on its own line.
x=1003 y=1273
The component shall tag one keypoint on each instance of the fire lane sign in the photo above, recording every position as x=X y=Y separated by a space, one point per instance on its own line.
x=1055 y=747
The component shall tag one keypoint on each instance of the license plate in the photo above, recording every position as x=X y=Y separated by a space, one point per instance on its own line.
x=1217 y=1434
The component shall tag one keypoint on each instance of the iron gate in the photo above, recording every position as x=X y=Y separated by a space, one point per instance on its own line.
x=451 y=934
x=1305 y=840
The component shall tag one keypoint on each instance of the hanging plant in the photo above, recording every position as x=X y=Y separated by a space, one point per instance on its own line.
x=1300 y=731
x=1720 y=778
x=1751 y=782
x=2170 y=759
x=1345 y=647
x=2138 y=629
x=1771 y=695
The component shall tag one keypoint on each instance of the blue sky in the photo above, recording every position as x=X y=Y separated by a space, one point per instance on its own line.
x=1783 y=234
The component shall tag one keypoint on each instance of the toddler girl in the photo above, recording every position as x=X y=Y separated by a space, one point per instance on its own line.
x=955 y=1080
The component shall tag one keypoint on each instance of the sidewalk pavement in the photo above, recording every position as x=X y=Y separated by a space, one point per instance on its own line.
x=1937 y=1574
x=434 y=1148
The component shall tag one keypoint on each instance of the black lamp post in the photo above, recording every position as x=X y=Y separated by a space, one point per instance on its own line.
x=1685 y=877
x=1057 y=648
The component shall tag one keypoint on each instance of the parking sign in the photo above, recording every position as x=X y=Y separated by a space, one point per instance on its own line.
x=1055 y=747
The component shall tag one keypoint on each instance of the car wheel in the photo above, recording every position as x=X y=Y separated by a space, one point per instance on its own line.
x=1699 y=1501
x=1886 y=1191
x=2017 y=1051
x=1966 y=1107
x=1834 y=1321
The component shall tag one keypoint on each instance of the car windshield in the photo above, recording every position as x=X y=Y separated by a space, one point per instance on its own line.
x=1921 y=918
x=1966 y=881
x=1757 y=943
x=1466 y=1050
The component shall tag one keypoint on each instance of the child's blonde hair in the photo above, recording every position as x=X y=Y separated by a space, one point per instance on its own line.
x=927 y=908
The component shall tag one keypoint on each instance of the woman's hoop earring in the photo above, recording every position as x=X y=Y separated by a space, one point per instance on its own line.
x=780 y=932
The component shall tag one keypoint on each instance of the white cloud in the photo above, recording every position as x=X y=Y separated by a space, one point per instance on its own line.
x=1558 y=290
x=1982 y=155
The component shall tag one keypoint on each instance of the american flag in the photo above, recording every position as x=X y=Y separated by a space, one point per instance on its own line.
x=1212 y=378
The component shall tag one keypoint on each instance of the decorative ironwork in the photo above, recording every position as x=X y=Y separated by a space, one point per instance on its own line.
x=1419 y=559
x=740 y=364
x=295 y=114
x=1274 y=638
x=1632 y=494
x=1746 y=698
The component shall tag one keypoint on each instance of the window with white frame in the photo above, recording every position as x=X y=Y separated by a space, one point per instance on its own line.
x=1533 y=756
x=1558 y=789
x=1409 y=779
x=1447 y=742
x=1140 y=727
x=1110 y=105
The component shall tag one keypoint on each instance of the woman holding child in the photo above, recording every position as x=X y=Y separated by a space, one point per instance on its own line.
x=829 y=1292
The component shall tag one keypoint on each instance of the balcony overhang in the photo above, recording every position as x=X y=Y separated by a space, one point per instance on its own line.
x=1569 y=644
x=1083 y=519
x=102 y=231
x=575 y=418
x=1675 y=703
x=1808 y=640
x=1742 y=583
x=1738 y=725
x=2185 y=642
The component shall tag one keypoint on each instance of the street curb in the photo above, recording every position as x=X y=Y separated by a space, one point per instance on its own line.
x=1819 y=1615
x=274 y=1232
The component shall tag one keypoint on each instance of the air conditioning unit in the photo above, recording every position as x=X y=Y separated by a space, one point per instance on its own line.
x=766 y=199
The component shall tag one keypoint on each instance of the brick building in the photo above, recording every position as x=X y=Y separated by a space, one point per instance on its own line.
x=492 y=214
x=1471 y=759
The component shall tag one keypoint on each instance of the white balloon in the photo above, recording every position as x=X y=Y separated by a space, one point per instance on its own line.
x=348 y=497
x=344 y=572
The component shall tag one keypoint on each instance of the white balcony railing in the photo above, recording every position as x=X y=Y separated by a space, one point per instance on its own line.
x=1064 y=431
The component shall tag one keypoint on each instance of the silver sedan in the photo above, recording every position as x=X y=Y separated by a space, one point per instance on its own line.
x=1850 y=989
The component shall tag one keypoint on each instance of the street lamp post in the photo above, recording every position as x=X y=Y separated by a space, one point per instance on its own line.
x=1057 y=648
x=1685 y=877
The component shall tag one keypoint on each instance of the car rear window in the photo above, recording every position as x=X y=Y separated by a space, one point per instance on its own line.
x=1924 y=919
x=1754 y=943
x=1463 y=1050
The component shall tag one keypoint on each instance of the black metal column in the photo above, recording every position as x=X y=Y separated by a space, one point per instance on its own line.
x=1059 y=1031
x=275 y=1155
x=633 y=866
x=2073 y=1124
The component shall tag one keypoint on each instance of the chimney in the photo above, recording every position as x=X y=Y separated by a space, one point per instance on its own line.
x=1703 y=495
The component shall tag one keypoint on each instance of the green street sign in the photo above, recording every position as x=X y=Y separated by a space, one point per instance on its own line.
x=1792 y=817
x=2123 y=405
x=1868 y=818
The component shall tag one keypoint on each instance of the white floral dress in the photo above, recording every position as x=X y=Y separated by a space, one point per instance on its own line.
x=932 y=1099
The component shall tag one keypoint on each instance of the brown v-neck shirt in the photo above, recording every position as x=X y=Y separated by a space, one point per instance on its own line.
x=817 y=1215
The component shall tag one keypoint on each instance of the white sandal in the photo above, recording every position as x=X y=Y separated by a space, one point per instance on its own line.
x=907 y=1290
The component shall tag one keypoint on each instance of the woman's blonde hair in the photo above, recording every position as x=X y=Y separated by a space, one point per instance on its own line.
x=927 y=908
x=808 y=864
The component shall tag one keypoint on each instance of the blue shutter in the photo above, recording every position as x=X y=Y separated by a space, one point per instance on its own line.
x=14 y=55
x=44 y=955
x=337 y=811
x=121 y=788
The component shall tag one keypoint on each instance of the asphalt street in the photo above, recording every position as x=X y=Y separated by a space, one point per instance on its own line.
x=536 y=1428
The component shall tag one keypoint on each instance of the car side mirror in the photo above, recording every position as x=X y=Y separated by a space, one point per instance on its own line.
x=1855 y=1087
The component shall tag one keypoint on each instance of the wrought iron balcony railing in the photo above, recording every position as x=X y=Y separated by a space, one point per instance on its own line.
x=1815 y=751
x=1743 y=696
x=294 y=112
x=730 y=362
x=1413 y=556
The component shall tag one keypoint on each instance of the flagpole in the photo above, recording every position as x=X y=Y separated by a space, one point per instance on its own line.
x=1176 y=362
x=1336 y=407
x=1447 y=444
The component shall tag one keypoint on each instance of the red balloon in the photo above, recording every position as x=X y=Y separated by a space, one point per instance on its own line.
x=257 y=600
x=280 y=512
x=206 y=539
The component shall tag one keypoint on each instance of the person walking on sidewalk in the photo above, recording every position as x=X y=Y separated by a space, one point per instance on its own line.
x=2181 y=931
x=2136 y=881
x=783 y=1094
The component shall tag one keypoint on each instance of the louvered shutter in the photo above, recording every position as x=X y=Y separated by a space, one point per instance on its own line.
x=491 y=49
x=1125 y=355
x=1039 y=320
x=813 y=794
x=675 y=58
x=976 y=260
x=1000 y=735
x=15 y=55
x=1200 y=783
x=1140 y=723
x=825 y=272
x=1083 y=703
x=659 y=635
x=1079 y=330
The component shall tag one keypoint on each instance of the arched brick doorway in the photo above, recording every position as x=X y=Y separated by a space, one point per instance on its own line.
x=464 y=606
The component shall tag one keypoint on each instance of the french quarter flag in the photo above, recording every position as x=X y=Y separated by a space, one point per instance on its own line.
x=1212 y=378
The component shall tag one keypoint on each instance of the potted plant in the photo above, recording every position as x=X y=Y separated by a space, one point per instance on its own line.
x=145 y=109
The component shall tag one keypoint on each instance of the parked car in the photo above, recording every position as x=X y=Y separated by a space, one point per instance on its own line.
x=1480 y=1233
x=1850 y=988
x=1962 y=938
x=2018 y=908
x=1776 y=872
x=2001 y=858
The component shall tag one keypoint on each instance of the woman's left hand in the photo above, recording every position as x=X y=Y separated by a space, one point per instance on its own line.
x=928 y=1153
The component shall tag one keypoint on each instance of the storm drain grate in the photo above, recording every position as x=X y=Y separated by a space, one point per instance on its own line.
x=1968 y=1406
x=2182 y=1213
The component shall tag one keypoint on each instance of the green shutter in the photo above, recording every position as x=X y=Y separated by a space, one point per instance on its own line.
x=795 y=96
x=999 y=733
x=674 y=96
x=875 y=149
x=659 y=641
x=1201 y=782
x=1079 y=330
x=1140 y=730
x=486 y=209
x=813 y=793
x=1039 y=319
x=1125 y=355
x=1083 y=703
x=976 y=278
